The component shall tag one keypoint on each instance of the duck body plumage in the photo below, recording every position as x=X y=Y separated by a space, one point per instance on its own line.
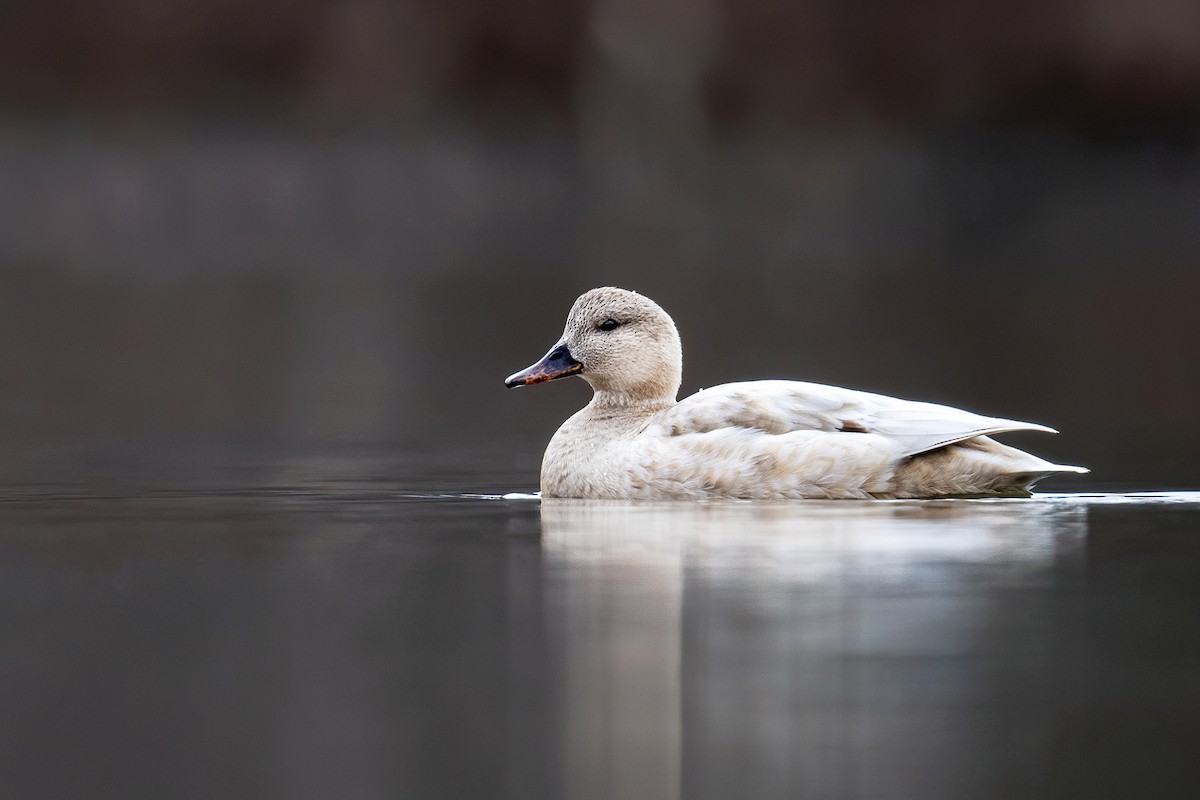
x=770 y=439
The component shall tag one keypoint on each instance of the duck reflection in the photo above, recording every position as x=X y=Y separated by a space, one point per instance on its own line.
x=794 y=642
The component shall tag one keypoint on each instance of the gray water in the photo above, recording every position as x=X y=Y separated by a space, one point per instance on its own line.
x=378 y=624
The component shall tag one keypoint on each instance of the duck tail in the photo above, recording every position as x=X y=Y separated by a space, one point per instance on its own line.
x=976 y=467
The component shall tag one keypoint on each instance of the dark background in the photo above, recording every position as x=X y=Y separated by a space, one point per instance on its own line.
x=264 y=266
x=339 y=222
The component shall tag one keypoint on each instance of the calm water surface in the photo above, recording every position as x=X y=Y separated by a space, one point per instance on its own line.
x=369 y=625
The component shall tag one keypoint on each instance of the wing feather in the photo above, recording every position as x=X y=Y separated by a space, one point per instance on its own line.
x=778 y=407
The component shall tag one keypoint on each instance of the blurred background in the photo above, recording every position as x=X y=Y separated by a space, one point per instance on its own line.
x=264 y=266
x=346 y=221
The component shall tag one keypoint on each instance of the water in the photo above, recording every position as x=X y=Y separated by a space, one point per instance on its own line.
x=370 y=624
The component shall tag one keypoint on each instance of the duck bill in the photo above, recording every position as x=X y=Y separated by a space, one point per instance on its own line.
x=558 y=363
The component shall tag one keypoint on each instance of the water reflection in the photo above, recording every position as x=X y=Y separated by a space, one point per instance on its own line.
x=807 y=540
x=321 y=628
x=799 y=649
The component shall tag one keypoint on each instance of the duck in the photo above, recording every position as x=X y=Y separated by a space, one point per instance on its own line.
x=751 y=440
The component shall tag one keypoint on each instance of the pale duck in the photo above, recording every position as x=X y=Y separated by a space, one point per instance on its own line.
x=770 y=439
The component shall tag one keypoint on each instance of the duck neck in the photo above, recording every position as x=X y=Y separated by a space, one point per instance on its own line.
x=608 y=403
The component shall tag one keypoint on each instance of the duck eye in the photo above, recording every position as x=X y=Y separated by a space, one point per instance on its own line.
x=609 y=324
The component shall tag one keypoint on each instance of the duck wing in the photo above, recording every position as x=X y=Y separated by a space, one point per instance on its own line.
x=777 y=407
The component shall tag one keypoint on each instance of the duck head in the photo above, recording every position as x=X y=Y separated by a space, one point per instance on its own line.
x=621 y=343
